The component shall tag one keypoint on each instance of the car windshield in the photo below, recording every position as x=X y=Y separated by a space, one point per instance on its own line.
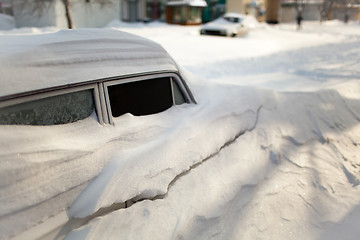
x=233 y=19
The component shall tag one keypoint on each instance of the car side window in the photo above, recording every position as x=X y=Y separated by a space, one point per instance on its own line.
x=144 y=97
x=54 y=110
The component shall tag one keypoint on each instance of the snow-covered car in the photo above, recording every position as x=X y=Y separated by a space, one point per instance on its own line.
x=61 y=98
x=230 y=24
x=110 y=74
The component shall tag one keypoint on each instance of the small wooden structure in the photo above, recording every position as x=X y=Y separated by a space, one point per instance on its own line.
x=186 y=12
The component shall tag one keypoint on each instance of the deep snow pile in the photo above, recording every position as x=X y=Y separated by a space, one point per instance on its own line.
x=271 y=150
x=294 y=173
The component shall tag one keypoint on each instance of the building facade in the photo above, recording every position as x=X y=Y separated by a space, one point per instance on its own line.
x=255 y=8
x=133 y=10
x=213 y=10
x=310 y=11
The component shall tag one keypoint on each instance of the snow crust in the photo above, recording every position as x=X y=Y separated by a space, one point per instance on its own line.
x=271 y=150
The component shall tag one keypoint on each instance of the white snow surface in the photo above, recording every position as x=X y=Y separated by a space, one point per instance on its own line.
x=270 y=151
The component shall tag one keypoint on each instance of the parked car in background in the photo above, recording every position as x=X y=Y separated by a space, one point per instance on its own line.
x=230 y=25
x=60 y=97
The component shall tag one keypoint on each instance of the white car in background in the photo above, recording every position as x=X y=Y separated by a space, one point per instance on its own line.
x=230 y=25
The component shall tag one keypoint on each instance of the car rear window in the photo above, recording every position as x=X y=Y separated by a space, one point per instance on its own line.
x=144 y=97
x=60 y=109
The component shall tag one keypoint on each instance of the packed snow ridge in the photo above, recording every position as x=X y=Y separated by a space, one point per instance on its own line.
x=76 y=223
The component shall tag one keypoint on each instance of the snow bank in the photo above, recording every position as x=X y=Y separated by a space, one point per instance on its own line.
x=146 y=172
x=293 y=174
x=251 y=22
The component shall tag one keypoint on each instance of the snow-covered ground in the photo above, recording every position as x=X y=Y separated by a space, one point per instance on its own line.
x=271 y=150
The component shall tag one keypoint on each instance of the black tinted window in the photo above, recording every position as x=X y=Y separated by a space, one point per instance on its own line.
x=59 y=109
x=141 y=97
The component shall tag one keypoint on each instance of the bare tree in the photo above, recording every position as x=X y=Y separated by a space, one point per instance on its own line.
x=40 y=6
x=68 y=14
x=325 y=9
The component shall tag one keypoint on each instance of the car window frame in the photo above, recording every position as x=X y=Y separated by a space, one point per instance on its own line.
x=57 y=92
x=100 y=93
x=109 y=119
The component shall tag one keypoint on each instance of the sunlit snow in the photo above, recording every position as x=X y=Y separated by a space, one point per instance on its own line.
x=270 y=151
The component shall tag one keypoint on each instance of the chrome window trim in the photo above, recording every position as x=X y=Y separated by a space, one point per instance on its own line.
x=172 y=90
x=103 y=104
x=109 y=116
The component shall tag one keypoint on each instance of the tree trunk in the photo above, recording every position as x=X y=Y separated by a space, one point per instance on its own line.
x=68 y=14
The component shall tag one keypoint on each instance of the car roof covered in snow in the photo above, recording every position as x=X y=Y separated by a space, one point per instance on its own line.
x=31 y=63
